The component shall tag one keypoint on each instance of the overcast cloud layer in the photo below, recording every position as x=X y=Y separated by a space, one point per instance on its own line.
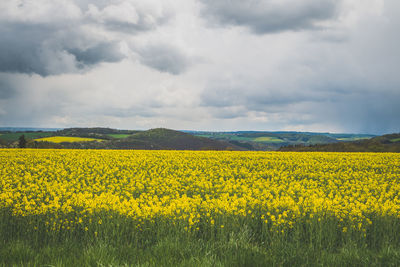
x=310 y=65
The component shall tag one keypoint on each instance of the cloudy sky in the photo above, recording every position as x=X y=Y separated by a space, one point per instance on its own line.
x=307 y=65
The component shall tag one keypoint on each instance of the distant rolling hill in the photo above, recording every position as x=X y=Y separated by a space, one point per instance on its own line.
x=384 y=143
x=260 y=140
x=161 y=138
x=126 y=139
x=169 y=139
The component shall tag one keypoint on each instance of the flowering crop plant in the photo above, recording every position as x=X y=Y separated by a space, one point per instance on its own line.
x=137 y=196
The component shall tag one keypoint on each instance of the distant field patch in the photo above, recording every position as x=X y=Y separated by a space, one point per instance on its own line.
x=61 y=139
x=395 y=140
x=353 y=138
x=261 y=139
x=268 y=139
x=118 y=136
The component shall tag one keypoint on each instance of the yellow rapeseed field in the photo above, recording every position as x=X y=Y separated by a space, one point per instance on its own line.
x=61 y=139
x=193 y=188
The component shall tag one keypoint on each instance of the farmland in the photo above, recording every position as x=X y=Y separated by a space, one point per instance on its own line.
x=165 y=139
x=267 y=141
x=61 y=139
x=204 y=208
x=119 y=135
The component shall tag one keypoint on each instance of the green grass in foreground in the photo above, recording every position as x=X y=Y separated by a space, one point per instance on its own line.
x=238 y=250
x=242 y=242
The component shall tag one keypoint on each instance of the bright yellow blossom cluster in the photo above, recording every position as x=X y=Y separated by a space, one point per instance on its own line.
x=196 y=187
x=69 y=139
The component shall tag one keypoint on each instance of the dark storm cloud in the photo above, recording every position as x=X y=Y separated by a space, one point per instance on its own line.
x=365 y=102
x=363 y=112
x=103 y=52
x=358 y=107
x=35 y=49
x=269 y=16
x=21 y=49
x=164 y=58
x=50 y=38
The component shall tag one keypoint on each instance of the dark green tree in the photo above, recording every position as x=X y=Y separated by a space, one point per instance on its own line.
x=22 y=142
